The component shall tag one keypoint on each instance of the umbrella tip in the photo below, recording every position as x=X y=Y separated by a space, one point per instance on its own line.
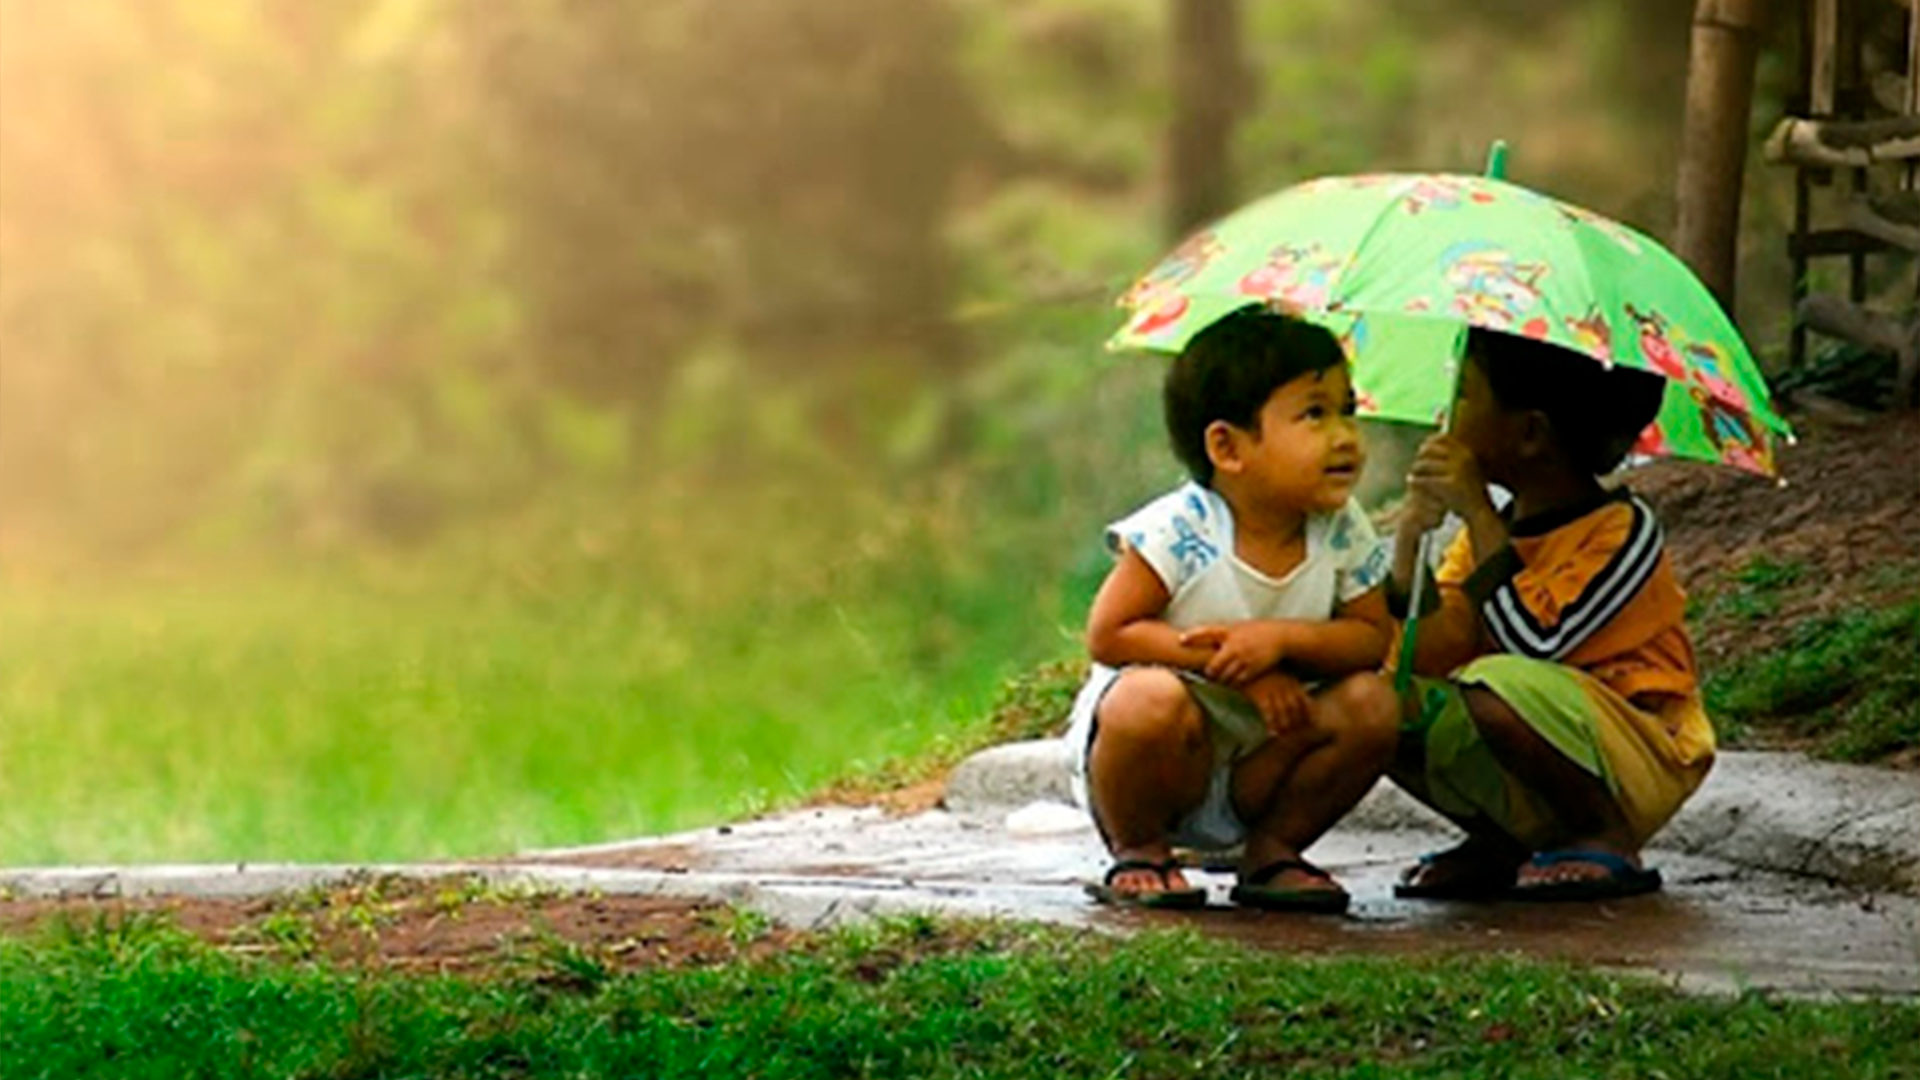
x=1497 y=160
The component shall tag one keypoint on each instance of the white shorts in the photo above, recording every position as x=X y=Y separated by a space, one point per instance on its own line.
x=1234 y=725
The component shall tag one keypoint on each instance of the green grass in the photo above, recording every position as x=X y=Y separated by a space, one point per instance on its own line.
x=1752 y=592
x=285 y=720
x=475 y=701
x=1850 y=681
x=910 y=998
x=623 y=658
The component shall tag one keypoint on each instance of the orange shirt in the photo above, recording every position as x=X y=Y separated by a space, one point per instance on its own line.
x=1591 y=587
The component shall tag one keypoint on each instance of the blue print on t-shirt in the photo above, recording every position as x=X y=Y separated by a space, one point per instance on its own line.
x=1373 y=571
x=1194 y=551
x=1196 y=504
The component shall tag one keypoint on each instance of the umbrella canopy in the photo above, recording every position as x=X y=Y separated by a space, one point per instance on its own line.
x=1399 y=264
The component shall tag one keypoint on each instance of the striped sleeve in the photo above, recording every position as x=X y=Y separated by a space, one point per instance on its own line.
x=1546 y=612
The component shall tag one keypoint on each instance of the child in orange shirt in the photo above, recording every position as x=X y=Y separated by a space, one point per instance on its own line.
x=1559 y=721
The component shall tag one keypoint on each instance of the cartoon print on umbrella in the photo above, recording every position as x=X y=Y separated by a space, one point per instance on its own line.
x=1296 y=277
x=1422 y=251
x=1593 y=335
x=1186 y=262
x=1156 y=301
x=1354 y=182
x=1652 y=443
x=1606 y=226
x=1740 y=441
x=1442 y=193
x=1706 y=362
x=1655 y=346
x=1492 y=289
x=1352 y=342
x=1162 y=315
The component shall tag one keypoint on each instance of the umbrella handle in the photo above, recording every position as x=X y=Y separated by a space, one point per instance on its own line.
x=1409 y=630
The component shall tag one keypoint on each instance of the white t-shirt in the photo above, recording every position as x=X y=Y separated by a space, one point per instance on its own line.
x=1186 y=536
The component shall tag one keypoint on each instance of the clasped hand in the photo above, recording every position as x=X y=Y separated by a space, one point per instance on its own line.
x=1241 y=651
x=1246 y=656
x=1444 y=476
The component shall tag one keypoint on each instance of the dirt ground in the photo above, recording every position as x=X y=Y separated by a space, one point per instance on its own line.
x=450 y=926
x=1848 y=518
x=1849 y=510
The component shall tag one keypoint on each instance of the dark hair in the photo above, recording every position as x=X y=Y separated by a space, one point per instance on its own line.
x=1230 y=369
x=1596 y=411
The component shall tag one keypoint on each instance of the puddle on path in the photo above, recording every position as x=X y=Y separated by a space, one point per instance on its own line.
x=1715 y=926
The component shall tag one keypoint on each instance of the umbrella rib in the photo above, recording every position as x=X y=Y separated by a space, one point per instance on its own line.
x=1373 y=228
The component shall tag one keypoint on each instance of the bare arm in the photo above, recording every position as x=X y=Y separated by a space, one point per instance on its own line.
x=1127 y=624
x=1445 y=477
x=1356 y=639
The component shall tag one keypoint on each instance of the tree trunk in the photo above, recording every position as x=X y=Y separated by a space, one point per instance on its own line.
x=1713 y=148
x=1209 y=79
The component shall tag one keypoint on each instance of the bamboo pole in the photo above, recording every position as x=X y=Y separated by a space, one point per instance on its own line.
x=1713 y=150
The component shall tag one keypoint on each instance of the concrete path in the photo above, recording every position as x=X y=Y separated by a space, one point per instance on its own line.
x=1849 y=824
x=1782 y=874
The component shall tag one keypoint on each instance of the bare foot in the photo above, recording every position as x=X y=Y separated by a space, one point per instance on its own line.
x=1590 y=871
x=1145 y=878
x=1163 y=876
x=1288 y=883
x=1569 y=865
x=1298 y=878
x=1476 y=868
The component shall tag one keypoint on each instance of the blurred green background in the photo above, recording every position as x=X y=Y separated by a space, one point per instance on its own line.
x=441 y=427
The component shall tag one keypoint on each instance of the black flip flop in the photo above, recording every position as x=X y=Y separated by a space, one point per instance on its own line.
x=1623 y=878
x=1166 y=899
x=1254 y=892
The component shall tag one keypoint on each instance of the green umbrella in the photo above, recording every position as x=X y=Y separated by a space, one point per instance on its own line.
x=1398 y=264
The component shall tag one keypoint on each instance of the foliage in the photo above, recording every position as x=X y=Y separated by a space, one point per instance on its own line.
x=386 y=270
x=1849 y=680
x=912 y=998
x=434 y=426
x=1034 y=704
x=776 y=180
x=257 y=298
x=563 y=684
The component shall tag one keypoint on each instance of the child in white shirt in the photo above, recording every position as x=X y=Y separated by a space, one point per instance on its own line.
x=1234 y=697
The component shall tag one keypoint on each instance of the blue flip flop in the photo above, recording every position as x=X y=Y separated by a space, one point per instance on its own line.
x=1623 y=878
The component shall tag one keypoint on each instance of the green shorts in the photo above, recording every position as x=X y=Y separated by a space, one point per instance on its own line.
x=1630 y=750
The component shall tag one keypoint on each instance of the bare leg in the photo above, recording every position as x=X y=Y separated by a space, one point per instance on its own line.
x=1484 y=863
x=1148 y=767
x=1580 y=801
x=1293 y=789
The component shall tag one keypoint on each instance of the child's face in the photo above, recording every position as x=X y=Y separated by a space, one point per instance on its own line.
x=1476 y=414
x=1306 y=454
x=1490 y=432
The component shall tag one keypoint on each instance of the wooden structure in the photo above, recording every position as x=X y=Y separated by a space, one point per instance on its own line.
x=1727 y=35
x=1853 y=142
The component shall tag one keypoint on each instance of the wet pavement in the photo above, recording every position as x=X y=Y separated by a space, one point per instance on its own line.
x=1716 y=926
x=1782 y=875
